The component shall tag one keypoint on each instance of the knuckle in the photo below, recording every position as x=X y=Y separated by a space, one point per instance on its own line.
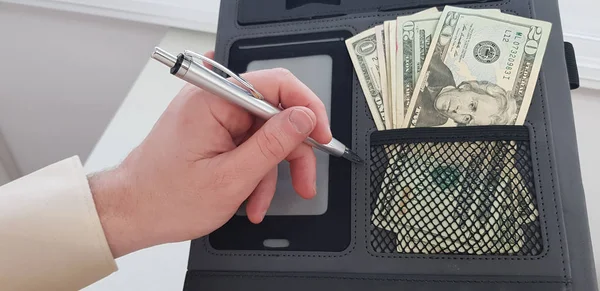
x=286 y=76
x=318 y=108
x=270 y=144
x=284 y=73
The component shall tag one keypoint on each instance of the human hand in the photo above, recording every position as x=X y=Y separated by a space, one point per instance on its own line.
x=204 y=158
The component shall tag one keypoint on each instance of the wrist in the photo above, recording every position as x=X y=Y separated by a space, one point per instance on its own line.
x=114 y=200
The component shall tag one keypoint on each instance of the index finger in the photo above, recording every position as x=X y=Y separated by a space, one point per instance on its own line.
x=280 y=86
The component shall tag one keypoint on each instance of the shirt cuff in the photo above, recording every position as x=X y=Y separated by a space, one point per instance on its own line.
x=51 y=235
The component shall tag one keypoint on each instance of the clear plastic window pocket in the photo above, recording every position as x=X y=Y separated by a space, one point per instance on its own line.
x=463 y=191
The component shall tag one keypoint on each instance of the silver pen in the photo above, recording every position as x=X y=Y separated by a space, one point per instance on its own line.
x=185 y=67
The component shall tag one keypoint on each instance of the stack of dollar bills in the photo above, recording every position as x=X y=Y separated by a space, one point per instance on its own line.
x=456 y=67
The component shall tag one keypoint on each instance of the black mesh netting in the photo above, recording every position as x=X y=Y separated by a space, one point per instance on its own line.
x=474 y=197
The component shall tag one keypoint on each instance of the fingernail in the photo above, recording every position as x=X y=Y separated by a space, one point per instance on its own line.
x=301 y=121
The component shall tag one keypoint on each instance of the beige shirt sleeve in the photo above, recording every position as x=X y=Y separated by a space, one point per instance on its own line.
x=50 y=234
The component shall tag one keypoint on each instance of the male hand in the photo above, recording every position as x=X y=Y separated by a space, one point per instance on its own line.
x=204 y=158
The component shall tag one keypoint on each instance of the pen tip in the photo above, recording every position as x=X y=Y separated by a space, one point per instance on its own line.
x=352 y=156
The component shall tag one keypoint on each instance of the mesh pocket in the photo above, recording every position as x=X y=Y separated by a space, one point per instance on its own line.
x=471 y=197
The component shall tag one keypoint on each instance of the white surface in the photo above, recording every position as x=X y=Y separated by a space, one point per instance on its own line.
x=200 y=15
x=580 y=27
x=62 y=77
x=586 y=106
x=162 y=267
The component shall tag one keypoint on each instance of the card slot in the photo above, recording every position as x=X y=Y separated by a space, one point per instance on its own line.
x=453 y=191
x=290 y=218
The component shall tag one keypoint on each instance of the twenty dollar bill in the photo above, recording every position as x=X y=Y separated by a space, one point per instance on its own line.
x=481 y=69
x=415 y=33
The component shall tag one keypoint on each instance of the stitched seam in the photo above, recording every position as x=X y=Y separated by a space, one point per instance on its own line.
x=453 y=138
x=554 y=198
x=269 y=276
x=407 y=10
x=384 y=137
x=266 y=34
x=355 y=96
x=558 y=224
x=494 y=4
x=539 y=183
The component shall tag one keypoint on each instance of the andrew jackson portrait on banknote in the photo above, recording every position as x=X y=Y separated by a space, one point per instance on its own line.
x=468 y=103
x=481 y=69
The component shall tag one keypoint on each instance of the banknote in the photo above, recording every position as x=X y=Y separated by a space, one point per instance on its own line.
x=388 y=51
x=428 y=10
x=487 y=219
x=415 y=33
x=481 y=69
x=362 y=49
x=435 y=204
x=398 y=107
x=370 y=67
x=392 y=72
x=382 y=57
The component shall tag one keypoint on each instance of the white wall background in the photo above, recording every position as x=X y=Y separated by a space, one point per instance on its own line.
x=62 y=77
x=586 y=107
x=4 y=178
x=580 y=27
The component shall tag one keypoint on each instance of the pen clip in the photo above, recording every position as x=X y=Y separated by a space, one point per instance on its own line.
x=223 y=69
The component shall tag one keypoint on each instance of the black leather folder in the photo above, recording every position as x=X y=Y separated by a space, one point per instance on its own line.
x=342 y=249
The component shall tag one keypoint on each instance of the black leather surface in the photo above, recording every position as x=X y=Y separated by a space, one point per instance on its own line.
x=254 y=12
x=201 y=281
x=572 y=70
x=566 y=262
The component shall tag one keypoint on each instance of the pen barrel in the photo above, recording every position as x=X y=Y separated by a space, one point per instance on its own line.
x=215 y=84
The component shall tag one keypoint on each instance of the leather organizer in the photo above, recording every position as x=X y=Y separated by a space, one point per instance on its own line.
x=342 y=249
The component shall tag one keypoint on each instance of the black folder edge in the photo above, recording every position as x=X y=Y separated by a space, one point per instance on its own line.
x=569 y=263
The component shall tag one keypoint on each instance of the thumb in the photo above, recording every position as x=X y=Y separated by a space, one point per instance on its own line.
x=272 y=143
